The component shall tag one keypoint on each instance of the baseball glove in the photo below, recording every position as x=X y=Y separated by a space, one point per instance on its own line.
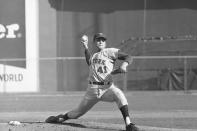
x=118 y=71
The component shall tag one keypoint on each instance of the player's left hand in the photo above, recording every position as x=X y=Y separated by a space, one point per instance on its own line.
x=118 y=71
x=121 y=69
x=124 y=66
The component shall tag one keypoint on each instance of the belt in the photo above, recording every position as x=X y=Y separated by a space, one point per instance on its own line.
x=99 y=83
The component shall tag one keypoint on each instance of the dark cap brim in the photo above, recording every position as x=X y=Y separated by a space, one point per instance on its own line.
x=100 y=35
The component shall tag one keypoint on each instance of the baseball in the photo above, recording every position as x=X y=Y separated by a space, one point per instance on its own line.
x=84 y=38
x=14 y=123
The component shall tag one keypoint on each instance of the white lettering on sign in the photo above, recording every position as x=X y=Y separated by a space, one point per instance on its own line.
x=9 y=31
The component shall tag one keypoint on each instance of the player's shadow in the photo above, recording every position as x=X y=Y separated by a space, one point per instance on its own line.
x=66 y=123
x=77 y=125
x=74 y=125
x=83 y=126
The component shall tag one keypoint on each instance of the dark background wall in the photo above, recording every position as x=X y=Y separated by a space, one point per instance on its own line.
x=62 y=22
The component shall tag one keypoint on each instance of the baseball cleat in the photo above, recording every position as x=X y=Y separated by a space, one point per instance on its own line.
x=132 y=127
x=55 y=119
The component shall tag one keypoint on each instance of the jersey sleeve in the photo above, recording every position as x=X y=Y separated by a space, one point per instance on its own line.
x=125 y=57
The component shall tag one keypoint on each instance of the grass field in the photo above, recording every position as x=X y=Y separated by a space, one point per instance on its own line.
x=151 y=111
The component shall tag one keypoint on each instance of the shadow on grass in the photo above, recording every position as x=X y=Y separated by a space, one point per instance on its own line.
x=74 y=125
x=78 y=125
x=88 y=127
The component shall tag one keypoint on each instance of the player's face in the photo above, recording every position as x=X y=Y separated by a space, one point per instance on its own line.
x=100 y=43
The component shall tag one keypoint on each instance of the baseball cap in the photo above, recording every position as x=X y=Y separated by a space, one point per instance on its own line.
x=99 y=35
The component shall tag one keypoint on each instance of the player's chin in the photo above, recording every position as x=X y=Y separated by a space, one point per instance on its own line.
x=101 y=47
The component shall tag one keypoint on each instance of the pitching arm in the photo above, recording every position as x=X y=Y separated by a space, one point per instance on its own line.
x=87 y=56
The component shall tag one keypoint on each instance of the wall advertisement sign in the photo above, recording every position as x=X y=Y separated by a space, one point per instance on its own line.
x=18 y=46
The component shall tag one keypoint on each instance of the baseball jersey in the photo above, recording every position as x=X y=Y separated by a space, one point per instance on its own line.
x=102 y=64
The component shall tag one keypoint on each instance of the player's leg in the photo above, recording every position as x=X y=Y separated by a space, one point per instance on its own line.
x=85 y=105
x=115 y=94
x=88 y=101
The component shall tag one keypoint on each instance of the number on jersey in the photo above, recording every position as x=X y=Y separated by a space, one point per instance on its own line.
x=102 y=69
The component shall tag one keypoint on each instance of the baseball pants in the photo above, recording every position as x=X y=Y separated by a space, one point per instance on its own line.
x=96 y=93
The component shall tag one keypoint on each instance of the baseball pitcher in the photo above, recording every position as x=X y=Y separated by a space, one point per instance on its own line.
x=100 y=82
